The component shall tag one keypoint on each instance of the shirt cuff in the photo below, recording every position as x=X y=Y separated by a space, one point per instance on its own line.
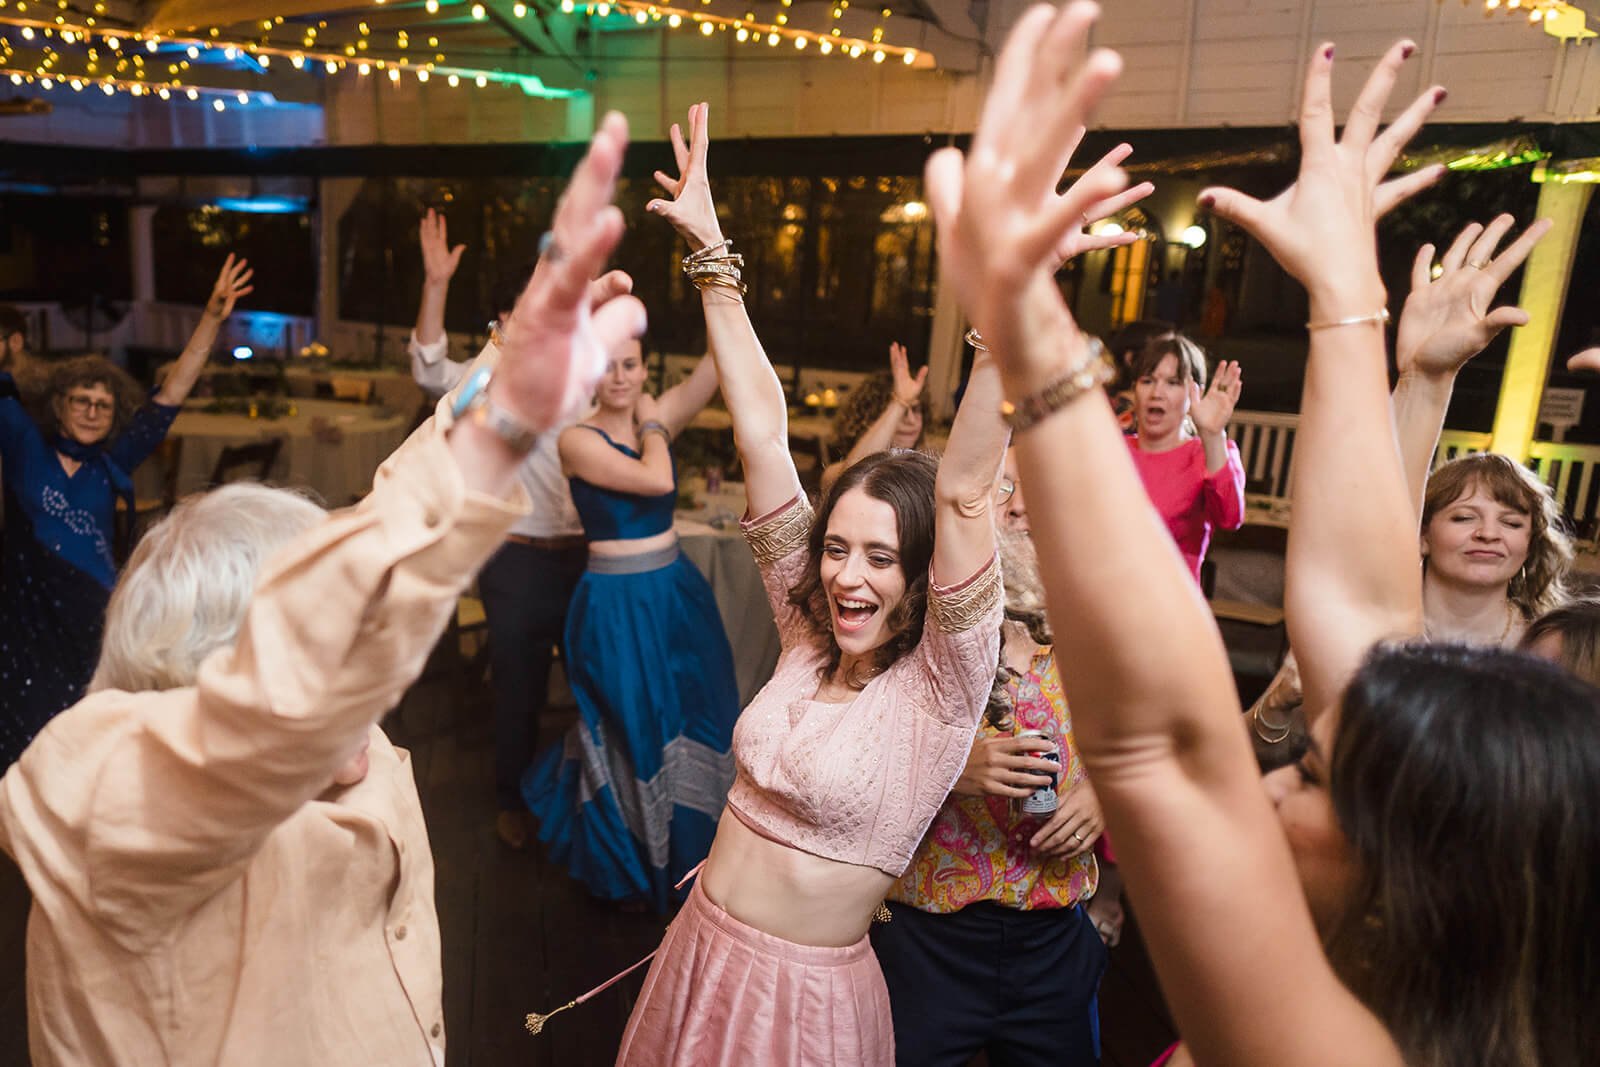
x=429 y=353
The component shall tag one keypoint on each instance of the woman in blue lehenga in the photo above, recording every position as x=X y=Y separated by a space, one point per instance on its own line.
x=629 y=800
x=62 y=482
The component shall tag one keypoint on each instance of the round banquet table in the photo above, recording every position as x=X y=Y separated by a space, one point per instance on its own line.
x=709 y=536
x=330 y=447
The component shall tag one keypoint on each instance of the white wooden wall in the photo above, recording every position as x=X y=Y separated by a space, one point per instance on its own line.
x=1190 y=63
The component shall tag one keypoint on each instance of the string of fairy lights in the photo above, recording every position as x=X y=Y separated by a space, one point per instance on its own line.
x=117 y=59
x=1536 y=11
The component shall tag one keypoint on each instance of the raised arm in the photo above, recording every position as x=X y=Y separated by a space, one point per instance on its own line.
x=749 y=385
x=342 y=618
x=1160 y=733
x=232 y=283
x=1351 y=564
x=1446 y=321
x=587 y=455
x=439 y=263
x=905 y=394
x=677 y=407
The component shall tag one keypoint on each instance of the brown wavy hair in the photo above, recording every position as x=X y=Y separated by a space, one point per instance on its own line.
x=1577 y=624
x=81 y=372
x=1467 y=782
x=1541 y=584
x=1024 y=603
x=863 y=406
x=904 y=480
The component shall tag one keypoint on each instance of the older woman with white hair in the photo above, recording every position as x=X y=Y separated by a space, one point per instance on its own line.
x=228 y=859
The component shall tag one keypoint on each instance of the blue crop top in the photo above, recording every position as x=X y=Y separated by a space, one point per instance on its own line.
x=609 y=515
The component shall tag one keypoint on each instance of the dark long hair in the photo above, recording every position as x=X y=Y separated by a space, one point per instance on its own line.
x=904 y=480
x=1468 y=783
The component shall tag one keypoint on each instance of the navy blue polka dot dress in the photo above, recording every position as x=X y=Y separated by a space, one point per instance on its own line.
x=58 y=563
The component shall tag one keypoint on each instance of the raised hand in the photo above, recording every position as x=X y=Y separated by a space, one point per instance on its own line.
x=1211 y=412
x=1079 y=240
x=1447 y=320
x=1001 y=223
x=439 y=260
x=1587 y=360
x=1322 y=227
x=554 y=345
x=691 y=210
x=232 y=283
x=907 y=387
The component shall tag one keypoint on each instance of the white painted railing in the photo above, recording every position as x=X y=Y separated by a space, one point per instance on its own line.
x=1266 y=448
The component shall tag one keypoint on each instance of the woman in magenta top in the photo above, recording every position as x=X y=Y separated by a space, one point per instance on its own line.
x=1189 y=467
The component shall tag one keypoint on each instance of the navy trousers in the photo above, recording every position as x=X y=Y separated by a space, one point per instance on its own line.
x=525 y=593
x=1021 y=986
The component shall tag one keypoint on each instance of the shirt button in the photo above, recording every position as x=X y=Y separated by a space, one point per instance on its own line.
x=437 y=1029
x=399 y=933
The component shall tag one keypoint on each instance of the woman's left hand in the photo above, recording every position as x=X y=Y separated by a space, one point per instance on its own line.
x=232 y=283
x=1448 y=319
x=1212 y=411
x=692 y=211
x=1074 y=828
x=907 y=387
x=1081 y=239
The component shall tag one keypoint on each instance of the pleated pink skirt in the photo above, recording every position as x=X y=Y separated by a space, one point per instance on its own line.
x=721 y=993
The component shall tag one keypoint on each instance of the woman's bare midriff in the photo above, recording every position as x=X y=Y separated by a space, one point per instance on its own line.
x=794 y=895
x=633 y=546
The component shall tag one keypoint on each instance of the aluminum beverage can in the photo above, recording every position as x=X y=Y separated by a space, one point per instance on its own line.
x=1042 y=801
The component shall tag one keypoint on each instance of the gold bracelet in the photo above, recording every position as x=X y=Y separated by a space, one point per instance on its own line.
x=1377 y=318
x=1094 y=370
x=1260 y=726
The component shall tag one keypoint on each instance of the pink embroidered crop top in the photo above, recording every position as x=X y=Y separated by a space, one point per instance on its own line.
x=860 y=782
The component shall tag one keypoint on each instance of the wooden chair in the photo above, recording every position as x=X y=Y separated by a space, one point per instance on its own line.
x=246 y=461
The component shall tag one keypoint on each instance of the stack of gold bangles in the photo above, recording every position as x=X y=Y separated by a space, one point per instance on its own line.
x=715 y=266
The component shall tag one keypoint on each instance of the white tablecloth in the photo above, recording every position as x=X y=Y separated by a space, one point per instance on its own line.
x=338 y=470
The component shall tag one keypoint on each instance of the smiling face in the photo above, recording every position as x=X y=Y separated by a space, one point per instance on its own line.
x=624 y=380
x=1476 y=540
x=1322 y=854
x=861 y=572
x=1161 y=399
x=85 y=413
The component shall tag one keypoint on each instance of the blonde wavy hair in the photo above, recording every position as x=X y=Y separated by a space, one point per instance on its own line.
x=1024 y=603
x=1541 y=584
x=184 y=593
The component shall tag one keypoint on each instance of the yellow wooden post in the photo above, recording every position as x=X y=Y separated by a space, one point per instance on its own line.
x=1544 y=292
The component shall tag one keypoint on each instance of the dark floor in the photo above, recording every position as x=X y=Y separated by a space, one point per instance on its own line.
x=519 y=936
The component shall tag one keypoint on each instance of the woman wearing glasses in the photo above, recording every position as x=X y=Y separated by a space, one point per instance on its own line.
x=62 y=481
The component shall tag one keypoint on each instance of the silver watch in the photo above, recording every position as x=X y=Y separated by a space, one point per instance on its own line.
x=473 y=401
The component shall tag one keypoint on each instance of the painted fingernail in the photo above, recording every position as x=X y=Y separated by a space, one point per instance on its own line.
x=1439 y=95
x=1327 y=53
x=1406 y=50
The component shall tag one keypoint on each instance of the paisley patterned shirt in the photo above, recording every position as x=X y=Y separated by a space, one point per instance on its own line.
x=977 y=848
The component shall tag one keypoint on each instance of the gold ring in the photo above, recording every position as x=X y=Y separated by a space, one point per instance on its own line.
x=1478 y=264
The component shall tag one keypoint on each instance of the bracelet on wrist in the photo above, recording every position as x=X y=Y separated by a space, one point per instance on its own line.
x=1377 y=318
x=1092 y=371
x=655 y=426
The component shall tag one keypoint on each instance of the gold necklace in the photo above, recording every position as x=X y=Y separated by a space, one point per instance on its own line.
x=1499 y=642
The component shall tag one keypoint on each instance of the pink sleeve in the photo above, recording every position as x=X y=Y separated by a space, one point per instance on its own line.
x=778 y=540
x=960 y=646
x=1224 y=493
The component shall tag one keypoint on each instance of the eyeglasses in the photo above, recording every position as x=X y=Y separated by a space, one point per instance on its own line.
x=84 y=405
x=1003 y=489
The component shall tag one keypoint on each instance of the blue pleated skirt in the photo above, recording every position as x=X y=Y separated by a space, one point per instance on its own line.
x=629 y=799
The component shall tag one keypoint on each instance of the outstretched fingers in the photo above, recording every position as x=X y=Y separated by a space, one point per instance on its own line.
x=586 y=227
x=1011 y=78
x=1455 y=257
x=1386 y=147
x=1316 y=106
x=1367 y=113
x=1507 y=262
x=1422 y=267
x=1396 y=191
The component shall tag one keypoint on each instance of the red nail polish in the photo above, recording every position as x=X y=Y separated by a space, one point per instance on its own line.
x=1327 y=53
x=1405 y=52
x=1439 y=95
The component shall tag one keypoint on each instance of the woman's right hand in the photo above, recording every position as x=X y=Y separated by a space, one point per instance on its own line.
x=907 y=387
x=691 y=210
x=439 y=260
x=1000 y=766
x=1322 y=229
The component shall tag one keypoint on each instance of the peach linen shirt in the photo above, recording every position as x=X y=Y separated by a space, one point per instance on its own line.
x=201 y=894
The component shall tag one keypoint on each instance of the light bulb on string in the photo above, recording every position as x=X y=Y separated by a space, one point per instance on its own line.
x=877 y=56
x=519 y=10
x=799 y=42
x=422 y=75
x=674 y=20
x=453 y=81
x=742 y=34
x=364 y=69
x=394 y=74
x=330 y=66
x=191 y=94
x=478 y=11
x=219 y=105
x=825 y=46
x=909 y=57
x=706 y=28
x=481 y=81
x=164 y=93
x=772 y=39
